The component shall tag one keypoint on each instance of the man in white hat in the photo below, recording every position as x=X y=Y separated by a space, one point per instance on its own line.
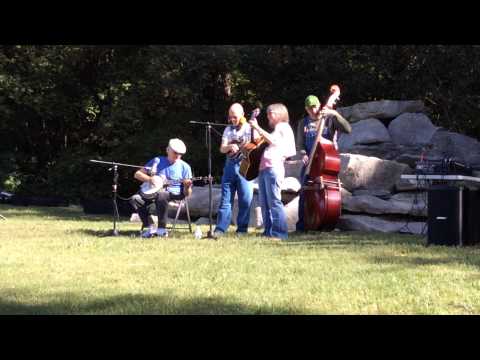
x=171 y=169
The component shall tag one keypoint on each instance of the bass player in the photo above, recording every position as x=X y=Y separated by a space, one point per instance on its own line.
x=306 y=135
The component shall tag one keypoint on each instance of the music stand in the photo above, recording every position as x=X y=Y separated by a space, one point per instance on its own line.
x=208 y=135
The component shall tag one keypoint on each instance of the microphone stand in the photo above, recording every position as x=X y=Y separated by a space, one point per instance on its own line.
x=116 y=214
x=208 y=135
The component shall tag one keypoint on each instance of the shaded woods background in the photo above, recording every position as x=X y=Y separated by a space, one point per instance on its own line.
x=63 y=105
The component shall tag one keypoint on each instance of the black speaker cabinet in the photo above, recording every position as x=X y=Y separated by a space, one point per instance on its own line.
x=445 y=216
x=471 y=217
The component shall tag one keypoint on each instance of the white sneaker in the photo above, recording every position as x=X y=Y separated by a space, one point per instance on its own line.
x=162 y=232
x=150 y=232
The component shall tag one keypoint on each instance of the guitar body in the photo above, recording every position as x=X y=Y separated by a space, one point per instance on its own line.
x=252 y=153
x=250 y=165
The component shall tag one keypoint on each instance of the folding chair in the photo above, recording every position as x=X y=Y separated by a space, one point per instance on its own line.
x=181 y=203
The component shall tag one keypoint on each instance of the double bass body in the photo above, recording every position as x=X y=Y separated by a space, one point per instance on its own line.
x=323 y=202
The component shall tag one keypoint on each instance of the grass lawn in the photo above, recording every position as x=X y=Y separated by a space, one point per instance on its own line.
x=55 y=261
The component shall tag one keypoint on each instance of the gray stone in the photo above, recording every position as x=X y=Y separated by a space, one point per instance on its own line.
x=386 y=151
x=383 y=109
x=291 y=211
x=372 y=205
x=291 y=184
x=368 y=131
x=293 y=168
x=382 y=194
x=255 y=212
x=460 y=147
x=411 y=129
x=371 y=173
x=413 y=155
x=199 y=201
x=416 y=202
x=379 y=224
x=344 y=192
x=346 y=112
x=203 y=221
x=410 y=185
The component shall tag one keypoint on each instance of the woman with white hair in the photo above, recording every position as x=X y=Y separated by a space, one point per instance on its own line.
x=272 y=170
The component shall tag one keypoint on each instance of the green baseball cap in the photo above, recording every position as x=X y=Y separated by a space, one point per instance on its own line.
x=312 y=100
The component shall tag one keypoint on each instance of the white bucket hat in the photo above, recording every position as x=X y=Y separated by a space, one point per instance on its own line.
x=178 y=146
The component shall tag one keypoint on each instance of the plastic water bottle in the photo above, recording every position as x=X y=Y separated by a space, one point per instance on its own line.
x=198 y=233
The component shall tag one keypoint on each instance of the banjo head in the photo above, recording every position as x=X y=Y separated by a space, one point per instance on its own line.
x=150 y=189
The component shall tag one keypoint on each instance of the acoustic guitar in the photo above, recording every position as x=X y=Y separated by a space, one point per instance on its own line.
x=252 y=153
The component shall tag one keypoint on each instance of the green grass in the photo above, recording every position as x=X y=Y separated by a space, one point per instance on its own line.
x=55 y=261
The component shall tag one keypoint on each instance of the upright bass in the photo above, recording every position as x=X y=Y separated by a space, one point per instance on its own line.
x=322 y=187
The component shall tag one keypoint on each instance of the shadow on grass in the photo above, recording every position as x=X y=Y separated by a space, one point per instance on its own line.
x=139 y=305
x=106 y=233
x=53 y=213
x=450 y=257
x=177 y=233
x=357 y=238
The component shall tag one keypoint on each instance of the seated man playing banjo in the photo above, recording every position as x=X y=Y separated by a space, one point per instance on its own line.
x=165 y=178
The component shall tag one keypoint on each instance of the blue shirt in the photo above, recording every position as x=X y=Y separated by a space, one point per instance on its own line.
x=179 y=170
x=310 y=132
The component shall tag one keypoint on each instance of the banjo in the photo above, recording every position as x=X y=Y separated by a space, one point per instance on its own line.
x=149 y=191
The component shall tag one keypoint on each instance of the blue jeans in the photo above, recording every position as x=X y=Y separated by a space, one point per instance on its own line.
x=273 y=212
x=300 y=226
x=233 y=182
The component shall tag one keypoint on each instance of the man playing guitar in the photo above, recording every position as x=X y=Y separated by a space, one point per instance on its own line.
x=234 y=137
x=168 y=170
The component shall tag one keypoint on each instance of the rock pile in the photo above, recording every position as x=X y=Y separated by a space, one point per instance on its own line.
x=388 y=137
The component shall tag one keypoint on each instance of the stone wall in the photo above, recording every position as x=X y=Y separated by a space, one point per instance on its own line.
x=387 y=139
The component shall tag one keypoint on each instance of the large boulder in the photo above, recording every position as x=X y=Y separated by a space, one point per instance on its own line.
x=386 y=150
x=411 y=205
x=405 y=154
x=293 y=168
x=382 y=194
x=411 y=129
x=379 y=224
x=368 y=131
x=204 y=221
x=363 y=172
x=199 y=201
x=383 y=109
x=291 y=211
x=461 y=147
x=255 y=212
